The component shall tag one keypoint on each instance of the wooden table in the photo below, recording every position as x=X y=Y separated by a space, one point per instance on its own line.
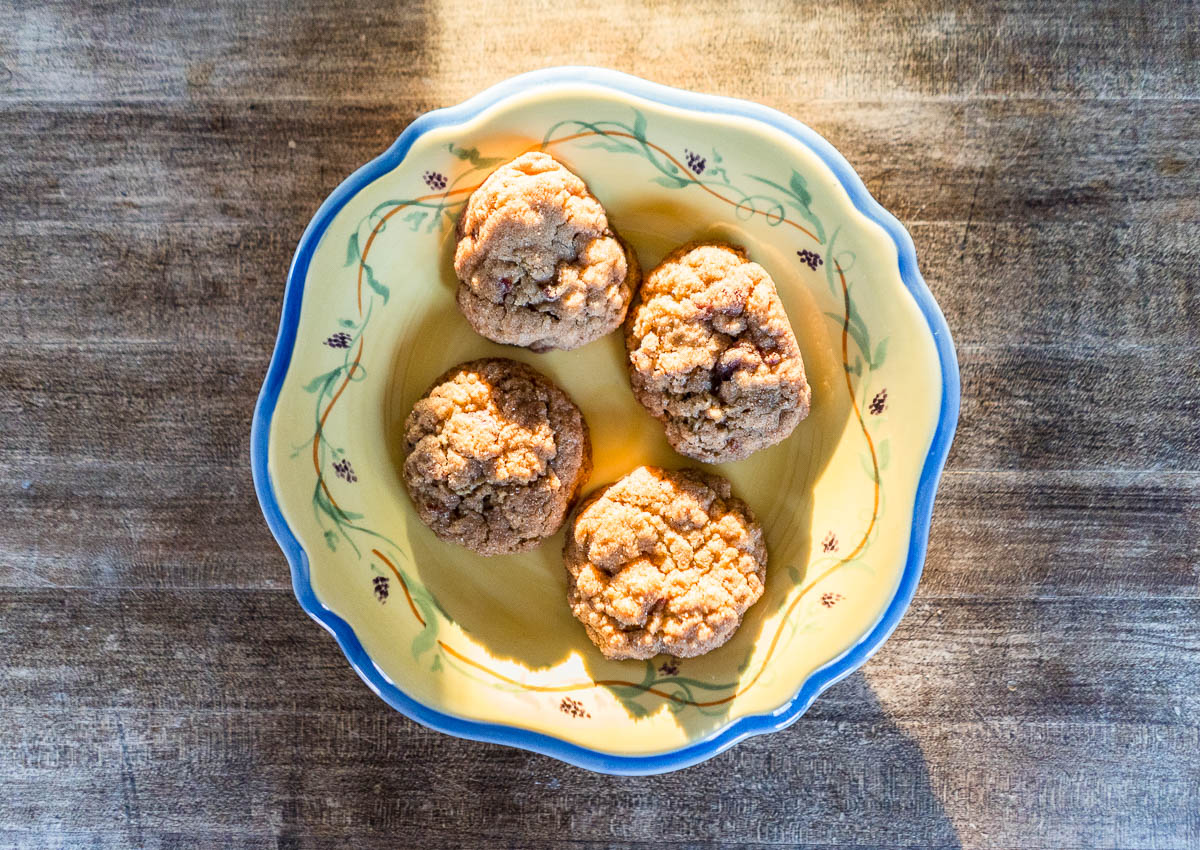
x=160 y=686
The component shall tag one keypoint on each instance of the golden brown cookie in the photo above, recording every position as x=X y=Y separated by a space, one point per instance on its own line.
x=712 y=355
x=663 y=561
x=537 y=262
x=496 y=454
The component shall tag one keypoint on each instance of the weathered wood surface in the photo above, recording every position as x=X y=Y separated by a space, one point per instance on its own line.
x=161 y=688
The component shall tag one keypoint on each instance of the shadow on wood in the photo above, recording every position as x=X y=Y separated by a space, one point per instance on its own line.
x=845 y=768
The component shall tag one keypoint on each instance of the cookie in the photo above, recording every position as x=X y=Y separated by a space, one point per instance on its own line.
x=496 y=454
x=537 y=262
x=663 y=561
x=712 y=355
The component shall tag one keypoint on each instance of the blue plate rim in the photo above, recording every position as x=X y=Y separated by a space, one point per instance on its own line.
x=527 y=739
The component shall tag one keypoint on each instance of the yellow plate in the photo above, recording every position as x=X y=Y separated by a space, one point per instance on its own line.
x=486 y=647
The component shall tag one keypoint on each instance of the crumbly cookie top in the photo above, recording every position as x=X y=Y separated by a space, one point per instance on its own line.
x=537 y=263
x=664 y=561
x=495 y=455
x=713 y=356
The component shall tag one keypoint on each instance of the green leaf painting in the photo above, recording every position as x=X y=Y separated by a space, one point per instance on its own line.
x=797 y=196
x=472 y=156
x=323 y=381
x=639 y=125
x=671 y=182
x=880 y=353
x=373 y=282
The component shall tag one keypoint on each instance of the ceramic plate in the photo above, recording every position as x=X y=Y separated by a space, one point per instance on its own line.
x=487 y=648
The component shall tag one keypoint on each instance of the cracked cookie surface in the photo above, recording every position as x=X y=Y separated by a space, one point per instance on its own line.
x=712 y=355
x=537 y=262
x=663 y=561
x=496 y=454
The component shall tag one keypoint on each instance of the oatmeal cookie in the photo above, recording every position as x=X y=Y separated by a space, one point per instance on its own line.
x=496 y=454
x=712 y=355
x=538 y=264
x=663 y=561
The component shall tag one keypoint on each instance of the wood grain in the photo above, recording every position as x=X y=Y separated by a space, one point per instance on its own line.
x=1050 y=535
x=771 y=51
x=251 y=781
x=162 y=689
x=1027 y=699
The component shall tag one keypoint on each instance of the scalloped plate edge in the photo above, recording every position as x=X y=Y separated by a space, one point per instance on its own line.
x=743 y=727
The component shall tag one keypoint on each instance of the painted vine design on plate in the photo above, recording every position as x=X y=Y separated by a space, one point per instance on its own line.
x=430 y=213
x=630 y=138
